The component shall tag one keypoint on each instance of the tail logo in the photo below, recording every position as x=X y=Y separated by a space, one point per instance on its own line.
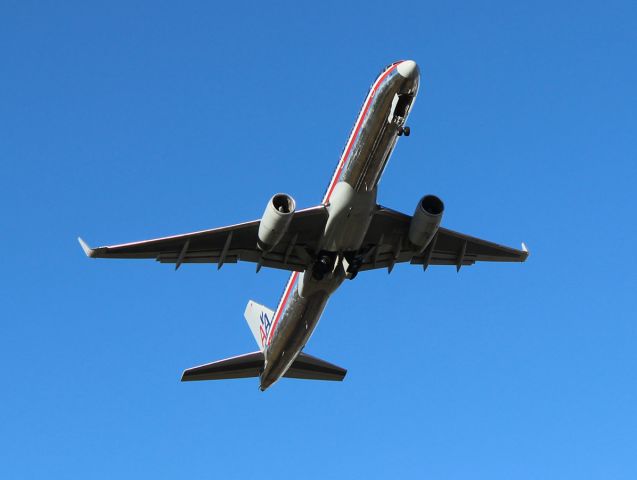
x=264 y=328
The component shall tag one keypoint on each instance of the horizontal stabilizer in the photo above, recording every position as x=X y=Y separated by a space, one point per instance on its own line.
x=248 y=365
x=242 y=366
x=308 y=367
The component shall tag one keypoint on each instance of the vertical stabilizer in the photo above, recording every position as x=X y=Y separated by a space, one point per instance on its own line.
x=259 y=320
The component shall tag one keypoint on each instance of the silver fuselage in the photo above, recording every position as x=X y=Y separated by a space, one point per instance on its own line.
x=350 y=201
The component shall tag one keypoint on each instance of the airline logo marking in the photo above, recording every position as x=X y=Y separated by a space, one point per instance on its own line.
x=264 y=328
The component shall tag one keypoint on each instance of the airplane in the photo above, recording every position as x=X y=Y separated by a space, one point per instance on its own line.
x=347 y=233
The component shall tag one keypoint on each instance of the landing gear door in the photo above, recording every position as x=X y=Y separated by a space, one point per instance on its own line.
x=399 y=109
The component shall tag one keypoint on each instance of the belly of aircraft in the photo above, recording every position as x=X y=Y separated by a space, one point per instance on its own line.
x=300 y=317
x=297 y=324
x=350 y=213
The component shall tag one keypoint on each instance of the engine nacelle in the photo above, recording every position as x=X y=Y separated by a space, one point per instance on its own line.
x=426 y=220
x=275 y=221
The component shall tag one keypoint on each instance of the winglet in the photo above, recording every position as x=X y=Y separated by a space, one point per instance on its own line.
x=87 y=250
x=524 y=249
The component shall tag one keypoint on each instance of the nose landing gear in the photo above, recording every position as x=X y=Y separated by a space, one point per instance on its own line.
x=404 y=130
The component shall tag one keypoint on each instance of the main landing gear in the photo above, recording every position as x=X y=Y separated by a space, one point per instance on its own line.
x=352 y=269
x=326 y=263
x=323 y=265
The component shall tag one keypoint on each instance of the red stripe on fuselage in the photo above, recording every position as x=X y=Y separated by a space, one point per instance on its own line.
x=330 y=189
x=282 y=303
x=357 y=127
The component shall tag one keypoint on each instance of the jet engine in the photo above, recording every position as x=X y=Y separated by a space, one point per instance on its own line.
x=426 y=220
x=275 y=221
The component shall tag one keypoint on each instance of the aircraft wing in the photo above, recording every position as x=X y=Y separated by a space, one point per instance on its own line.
x=387 y=243
x=229 y=245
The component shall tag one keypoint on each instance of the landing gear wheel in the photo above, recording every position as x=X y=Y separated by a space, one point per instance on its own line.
x=323 y=265
x=400 y=131
x=406 y=131
x=352 y=269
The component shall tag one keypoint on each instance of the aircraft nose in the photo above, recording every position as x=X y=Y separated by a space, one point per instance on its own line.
x=408 y=69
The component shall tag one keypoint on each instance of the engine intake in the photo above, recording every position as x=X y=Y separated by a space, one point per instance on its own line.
x=426 y=220
x=275 y=221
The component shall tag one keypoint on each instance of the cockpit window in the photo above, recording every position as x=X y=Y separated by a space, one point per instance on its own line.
x=390 y=65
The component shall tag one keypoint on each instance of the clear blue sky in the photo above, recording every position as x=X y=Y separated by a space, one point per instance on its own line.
x=123 y=121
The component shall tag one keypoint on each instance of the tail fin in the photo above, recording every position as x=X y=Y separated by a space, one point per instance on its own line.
x=259 y=320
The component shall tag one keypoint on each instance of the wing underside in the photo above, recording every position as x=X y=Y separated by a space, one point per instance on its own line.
x=386 y=244
x=229 y=245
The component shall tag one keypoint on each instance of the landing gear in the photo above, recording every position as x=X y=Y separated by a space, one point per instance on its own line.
x=352 y=268
x=324 y=264
x=404 y=130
